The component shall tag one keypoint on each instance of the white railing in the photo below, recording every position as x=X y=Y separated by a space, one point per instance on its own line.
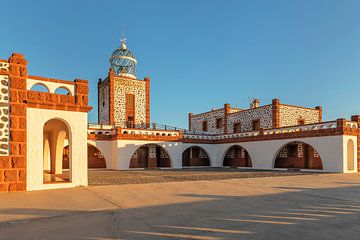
x=150 y=132
x=307 y=127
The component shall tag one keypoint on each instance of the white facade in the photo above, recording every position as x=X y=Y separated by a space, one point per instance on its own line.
x=333 y=152
x=77 y=126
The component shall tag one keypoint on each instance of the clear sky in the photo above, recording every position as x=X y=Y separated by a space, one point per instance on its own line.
x=198 y=54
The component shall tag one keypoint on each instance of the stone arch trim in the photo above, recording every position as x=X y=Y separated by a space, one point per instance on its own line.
x=279 y=148
x=40 y=84
x=63 y=87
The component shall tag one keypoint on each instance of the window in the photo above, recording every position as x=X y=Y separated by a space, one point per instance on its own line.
x=256 y=125
x=204 y=126
x=237 y=127
x=301 y=121
x=219 y=123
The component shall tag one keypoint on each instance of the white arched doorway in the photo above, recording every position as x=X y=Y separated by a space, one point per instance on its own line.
x=55 y=133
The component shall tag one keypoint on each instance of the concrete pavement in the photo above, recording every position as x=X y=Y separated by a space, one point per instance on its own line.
x=324 y=206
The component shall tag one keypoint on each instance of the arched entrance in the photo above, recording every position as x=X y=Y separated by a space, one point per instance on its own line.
x=195 y=156
x=55 y=134
x=150 y=156
x=350 y=155
x=298 y=154
x=95 y=157
x=237 y=156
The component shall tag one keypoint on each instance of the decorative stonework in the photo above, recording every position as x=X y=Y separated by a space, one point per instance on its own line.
x=4 y=115
x=289 y=115
x=164 y=153
x=283 y=153
x=103 y=95
x=125 y=86
x=152 y=151
x=245 y=118
x=210 y=117
x=202 y=154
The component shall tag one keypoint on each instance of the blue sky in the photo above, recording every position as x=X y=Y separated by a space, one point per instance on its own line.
x=199 y=54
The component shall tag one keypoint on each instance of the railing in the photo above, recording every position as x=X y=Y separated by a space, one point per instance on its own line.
x=154 y=129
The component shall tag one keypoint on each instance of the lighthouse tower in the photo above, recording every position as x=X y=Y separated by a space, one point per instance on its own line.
x=123 y=100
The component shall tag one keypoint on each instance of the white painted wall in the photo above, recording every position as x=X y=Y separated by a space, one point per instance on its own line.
x=77 y=124
x=51 y=86
x=332 y=150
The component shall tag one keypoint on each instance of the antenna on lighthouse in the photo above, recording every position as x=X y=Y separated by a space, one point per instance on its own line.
x=123 y=39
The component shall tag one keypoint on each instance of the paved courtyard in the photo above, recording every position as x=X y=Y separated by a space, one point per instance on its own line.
x=311 y=206
x=110 y=177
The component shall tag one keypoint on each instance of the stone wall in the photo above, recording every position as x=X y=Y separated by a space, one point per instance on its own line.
x=125 y=86
x=210 y=117
x=103 y=102
x=289 y=115
x=4 y=115
x=245 y=118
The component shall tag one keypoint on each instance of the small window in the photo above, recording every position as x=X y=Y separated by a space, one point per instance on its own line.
x=256 y=125
x=62 y=91
x=103 y=103
x=204 y=126
x=237 y=127
x=219 y=123
x=301 y=121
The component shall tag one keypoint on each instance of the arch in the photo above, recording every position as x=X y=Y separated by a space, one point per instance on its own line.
x=39 y=87
x=56 y=132
x=150 y=156
x=195 y=156
x=237 y=156
x=299 y=155
x=350 y=155
x=62 y=90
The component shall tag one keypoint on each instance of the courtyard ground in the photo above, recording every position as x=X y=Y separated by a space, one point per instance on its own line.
x=110 y=177
x=310 y=206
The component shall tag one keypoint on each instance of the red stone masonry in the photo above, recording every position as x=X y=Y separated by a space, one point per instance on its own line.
x=275 y=113
x=147 y=88
x=227 y=109
x=111 y=97
x=356 y=118
x=13 y=167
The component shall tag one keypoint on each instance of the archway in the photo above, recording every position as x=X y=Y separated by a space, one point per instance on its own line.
x=299 y=155
x=39 y=87
x=95 y=157
x=55 y=133
x=350 y=155
x=237 y=156
x=195 y=156
x=150 y=156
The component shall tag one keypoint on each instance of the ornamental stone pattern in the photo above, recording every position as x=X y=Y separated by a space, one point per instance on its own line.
x=231 y=153
x=125 y=86
x=289 y=115
x=103 y=103
x=283 y=153
x=4 y=115
x=210 y=117
x=245 y=118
